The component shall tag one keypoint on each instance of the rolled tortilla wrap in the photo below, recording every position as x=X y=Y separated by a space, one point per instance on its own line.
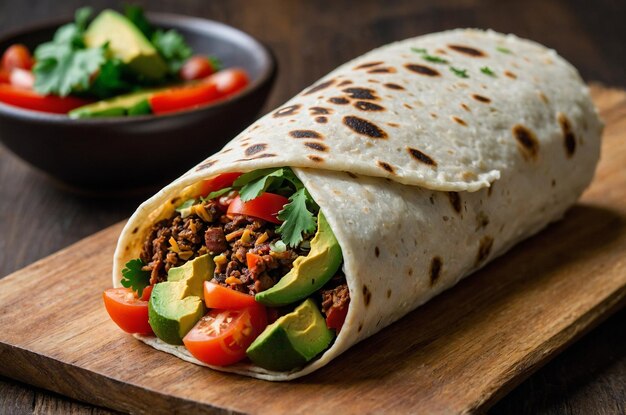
x=429 y=157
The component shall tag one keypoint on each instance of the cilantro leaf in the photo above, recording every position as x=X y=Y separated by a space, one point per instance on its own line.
x=110 y=80
x=461 y=73
x=172 y=46
x=255 y=188
x=487 y=71
x=217 y=193
x=429 y=58
x=136 y=16
x=64 y=65
x=297 y=218
x=134 y=277
x=186 y=205
x=503 y=50
x=258 y=181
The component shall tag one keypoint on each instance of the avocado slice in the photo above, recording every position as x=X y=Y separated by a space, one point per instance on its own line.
x=309 y=273
x=176 y=304
x=292 y=340
x=127 y=43
x=135 y=103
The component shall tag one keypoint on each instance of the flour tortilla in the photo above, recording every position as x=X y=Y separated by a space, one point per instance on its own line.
x=425 y=170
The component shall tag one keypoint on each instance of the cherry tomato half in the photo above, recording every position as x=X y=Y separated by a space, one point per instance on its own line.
x=221 y=337
x=28 y=99
x=196 y=67
x=218 y=296
x=127 y=311
x=264 y=207
x=17 y=56
x=177 y=99
x=5 y=77
x=218 y=182
x=229 y=81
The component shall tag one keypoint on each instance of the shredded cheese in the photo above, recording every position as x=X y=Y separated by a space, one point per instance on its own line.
x=264 y=237
x=246 y=237
x=233 y=280
x=174 y=245
x=234 y=235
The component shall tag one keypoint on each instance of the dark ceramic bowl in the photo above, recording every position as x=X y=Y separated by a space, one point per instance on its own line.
x=121 y=153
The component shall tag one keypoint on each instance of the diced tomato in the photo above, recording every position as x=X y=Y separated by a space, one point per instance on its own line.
x=126 y=310
x=229 y=81
x=196 y=67
x=147 y=292
x=336 y=317
x=17 y=56
x=253 y=260
x=265 y=207
x=218 y=182
x=186 y=97
x=25 y=98
x=218 y=296
x=221 y=337
x=22 y=78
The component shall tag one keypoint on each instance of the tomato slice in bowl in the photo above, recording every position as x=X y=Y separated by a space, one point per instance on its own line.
x=221 y=337
x=126 y=310
x=265 y=207
x=218 y=296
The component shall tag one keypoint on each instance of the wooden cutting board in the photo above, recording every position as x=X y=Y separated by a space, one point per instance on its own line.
x=459 y=353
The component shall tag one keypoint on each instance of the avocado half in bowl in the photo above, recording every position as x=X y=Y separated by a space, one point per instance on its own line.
x=116 y=154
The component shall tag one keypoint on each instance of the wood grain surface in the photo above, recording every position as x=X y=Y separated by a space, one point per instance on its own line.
x=472 y=344
x=310 y=38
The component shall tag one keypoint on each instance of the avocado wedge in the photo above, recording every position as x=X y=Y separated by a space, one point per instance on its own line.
x=309 y=273
x=176 y=305
x=292 y=340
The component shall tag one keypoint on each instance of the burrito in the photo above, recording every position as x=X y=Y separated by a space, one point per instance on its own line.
x=364 y=196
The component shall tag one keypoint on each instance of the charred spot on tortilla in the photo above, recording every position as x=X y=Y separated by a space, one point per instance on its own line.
x=321 y=119
x=421 y=157
x=255 y=148
x=393 y=124
x=349 y=173
x=338 y=100
x=305 y=134
x=435 y=269
x=459 y=120
x=382 y=70
x=361 y=93
x=482 y=220
x=319 y=87
x=433 y=115
x=389 y=293
x=226 y=150
x=368 y=106
x=368 y=65
x=320 y=111
x=391 y=85
x=409 y=271
x=455 y=201
x=465 y=107
x=206 y=165
x=174 y=200
x=481 y=98
x=568 y=135
x=407 y=106
x=135 y=230
x=388 y=167
x=527 y=142
x=543 y=97
x=263 y=156
x=422 y=70
x=510 y=74
x=364 y=127
x=367 y=295
x=316 y=159
x=344 y=83
x=468 y=50
x=376 y=251
x=360 y=327
x=316 y=146
x=290 y=110
x=484 y=249
x=553 y=183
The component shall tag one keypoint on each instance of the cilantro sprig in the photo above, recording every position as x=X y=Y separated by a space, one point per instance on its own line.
x=430 y=58
x=297 y=217
x=461 y=73
x=134 y=277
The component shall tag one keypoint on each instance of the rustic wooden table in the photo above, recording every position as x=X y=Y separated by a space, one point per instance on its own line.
x=310 y=38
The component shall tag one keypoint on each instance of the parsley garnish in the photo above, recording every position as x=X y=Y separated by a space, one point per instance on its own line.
x=134 y=277
x=503 y=49
x=429 y=58
x=461 y=73
x=297 y=218
x=487 y=71
x=64 y=65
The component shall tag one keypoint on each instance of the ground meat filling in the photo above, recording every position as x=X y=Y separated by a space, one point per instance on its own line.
x=335 y=294
x=207 y=229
